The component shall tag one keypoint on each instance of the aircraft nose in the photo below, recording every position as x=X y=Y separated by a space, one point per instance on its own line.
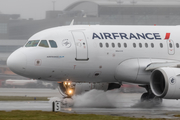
x=17 y=62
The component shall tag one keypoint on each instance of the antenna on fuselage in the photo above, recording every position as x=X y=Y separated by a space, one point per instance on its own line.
x=72 y=23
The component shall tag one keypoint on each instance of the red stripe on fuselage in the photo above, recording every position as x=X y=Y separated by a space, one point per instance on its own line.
x=167 y=36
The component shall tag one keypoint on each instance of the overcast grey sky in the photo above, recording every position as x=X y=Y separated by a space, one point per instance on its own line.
x=31 y=8
x=36 y=8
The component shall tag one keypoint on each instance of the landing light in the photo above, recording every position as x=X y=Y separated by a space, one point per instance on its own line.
x=65 y=83
x=70 y=91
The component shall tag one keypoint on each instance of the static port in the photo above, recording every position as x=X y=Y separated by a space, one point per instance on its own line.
x=97 y=74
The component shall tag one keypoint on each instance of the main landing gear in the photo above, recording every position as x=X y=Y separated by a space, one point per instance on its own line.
x=149 y=96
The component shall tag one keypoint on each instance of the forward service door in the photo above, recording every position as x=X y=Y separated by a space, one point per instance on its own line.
x=81 y=45
x=171 y=49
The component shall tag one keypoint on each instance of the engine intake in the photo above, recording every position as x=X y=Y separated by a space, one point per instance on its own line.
x=165 y=83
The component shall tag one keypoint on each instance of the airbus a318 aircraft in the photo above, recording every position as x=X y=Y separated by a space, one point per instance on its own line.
x=106 y=56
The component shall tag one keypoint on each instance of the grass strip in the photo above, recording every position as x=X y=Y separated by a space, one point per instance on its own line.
x=41 y=115
x=22 y=98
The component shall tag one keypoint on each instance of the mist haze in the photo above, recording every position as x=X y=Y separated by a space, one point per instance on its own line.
x=32 y=8
x=36 y=8
x=16 y=27
x=20 y=19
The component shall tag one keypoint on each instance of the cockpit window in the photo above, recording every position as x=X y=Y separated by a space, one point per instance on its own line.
x=43 y=43
x=53 y=43
x=32 y=43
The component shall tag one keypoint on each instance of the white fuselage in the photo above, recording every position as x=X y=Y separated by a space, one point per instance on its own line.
x=97 y=53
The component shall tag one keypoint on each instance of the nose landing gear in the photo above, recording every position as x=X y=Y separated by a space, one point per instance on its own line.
x=69 y=89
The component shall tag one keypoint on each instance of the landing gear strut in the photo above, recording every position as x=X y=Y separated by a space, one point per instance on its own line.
x=149 y=96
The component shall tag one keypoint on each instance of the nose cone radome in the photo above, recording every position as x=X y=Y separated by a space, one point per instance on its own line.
x=17 y=62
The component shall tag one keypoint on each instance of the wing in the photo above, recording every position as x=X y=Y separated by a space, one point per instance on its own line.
x=153 y=66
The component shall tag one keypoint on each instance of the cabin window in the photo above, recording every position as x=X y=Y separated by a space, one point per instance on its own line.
x=107 y=45
x=177 y=45
x=146 y=45
x=119 y=45
x=134 y=45
x=53 y=43
x=152 y=45
x=44 y=43
x=32 y=43
x=140 y=45
x=101 y=45
x=113 y=45
x=161 y=45
x=170 y=45
x=125 y=45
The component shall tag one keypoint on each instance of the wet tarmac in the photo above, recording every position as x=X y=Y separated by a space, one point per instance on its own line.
x=94 y=102
x=29 y=92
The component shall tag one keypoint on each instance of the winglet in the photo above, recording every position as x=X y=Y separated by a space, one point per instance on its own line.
x=72 y=23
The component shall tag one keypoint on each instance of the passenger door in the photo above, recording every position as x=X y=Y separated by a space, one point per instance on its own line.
x=81 y=46
x=171 y=49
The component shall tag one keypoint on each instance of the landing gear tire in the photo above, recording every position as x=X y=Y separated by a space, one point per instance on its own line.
x=144 y=97
x=149 y=96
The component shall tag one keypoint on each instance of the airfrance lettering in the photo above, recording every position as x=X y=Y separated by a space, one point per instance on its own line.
x=137 y=36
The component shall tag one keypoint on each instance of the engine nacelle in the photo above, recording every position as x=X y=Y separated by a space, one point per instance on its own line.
x=165 y=83
x=68 y=89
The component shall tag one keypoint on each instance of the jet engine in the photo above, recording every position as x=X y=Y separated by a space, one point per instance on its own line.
x=68 y=89
x=165 y=83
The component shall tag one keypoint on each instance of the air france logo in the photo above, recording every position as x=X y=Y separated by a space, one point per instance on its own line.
x=125 y=36
x=172 y=81
x=66 y=43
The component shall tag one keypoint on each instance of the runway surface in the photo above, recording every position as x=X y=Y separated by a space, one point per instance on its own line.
x=29 y=92
x=93 y=102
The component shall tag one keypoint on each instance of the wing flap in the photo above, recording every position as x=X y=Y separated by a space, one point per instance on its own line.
x=153 y=66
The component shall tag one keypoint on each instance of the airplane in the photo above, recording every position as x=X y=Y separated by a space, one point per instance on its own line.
x=106 y=56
